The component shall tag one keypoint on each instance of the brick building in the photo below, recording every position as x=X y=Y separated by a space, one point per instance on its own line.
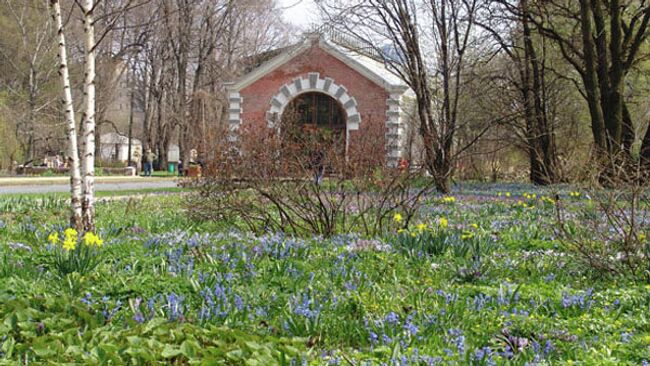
x=329 y=86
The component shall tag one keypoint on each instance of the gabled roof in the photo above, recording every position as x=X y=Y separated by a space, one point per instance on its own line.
x=116 y=138
x=365 y=65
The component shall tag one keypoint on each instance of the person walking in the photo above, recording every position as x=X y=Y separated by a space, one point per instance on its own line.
x=149 y=158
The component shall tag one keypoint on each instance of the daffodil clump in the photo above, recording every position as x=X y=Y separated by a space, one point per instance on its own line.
x=575 y=194
x=71 y=239
x=449 y=200
x=469 y=233
x=530 y=196
x=522 y=204
x=439 y=237
x=426 y=238
x=547 y=200
x=421 y=228
x=75 y=257
x=53 y=238
x=91 y=239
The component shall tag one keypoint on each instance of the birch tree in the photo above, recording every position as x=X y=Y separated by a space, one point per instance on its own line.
x=73 y=152
x=82 y=163
x=88 y=118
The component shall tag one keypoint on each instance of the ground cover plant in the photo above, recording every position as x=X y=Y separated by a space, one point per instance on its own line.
x=483 y=276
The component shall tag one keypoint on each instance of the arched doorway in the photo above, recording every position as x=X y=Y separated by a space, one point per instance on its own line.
x=316 y=123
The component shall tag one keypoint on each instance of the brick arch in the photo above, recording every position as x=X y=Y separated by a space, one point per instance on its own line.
x=314 y=83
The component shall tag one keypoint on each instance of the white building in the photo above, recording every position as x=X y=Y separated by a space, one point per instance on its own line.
x=115 y=147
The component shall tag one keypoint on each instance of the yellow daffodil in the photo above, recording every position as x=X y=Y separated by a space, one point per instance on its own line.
x=507 y=194
x=397 y=218
x=474 y=226
x=70 y=233
x=53 y=238
x=466 y=235
x=414 y=235
x=91 y=239
x=548 y=200
x=69 y=244
x=448 y=199
x=443 y=222
x=421 y=227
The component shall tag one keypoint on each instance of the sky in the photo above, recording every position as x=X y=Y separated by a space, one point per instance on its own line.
x=299 y=12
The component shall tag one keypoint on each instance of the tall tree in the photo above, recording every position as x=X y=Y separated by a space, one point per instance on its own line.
x=416 y=31
x=73 y=151
x=26 y=55
x=82 y=163
x=508 y=24
x=88 y=117
x=602 y=40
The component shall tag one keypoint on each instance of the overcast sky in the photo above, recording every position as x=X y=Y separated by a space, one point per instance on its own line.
x=299 y=12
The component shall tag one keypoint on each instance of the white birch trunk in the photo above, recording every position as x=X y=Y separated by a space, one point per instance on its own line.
x=88 y=162
x=73 y=152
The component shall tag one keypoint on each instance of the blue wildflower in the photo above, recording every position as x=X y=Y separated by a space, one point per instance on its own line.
x=392 y=318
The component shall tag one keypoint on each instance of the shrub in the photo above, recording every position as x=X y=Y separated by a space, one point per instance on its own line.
x=275 y=187
x=608 y=232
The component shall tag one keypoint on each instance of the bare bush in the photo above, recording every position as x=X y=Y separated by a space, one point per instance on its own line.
x=608 y=232
x=277 y=185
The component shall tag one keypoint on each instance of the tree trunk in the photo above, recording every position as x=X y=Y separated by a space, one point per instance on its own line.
x=589 y=79
x=543 y=135
x=88 y=162
x=614 y=117
x=629 y=135
x=73 y=152
x=645 y=150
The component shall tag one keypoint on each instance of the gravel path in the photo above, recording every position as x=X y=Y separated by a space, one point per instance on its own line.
x=57 y=187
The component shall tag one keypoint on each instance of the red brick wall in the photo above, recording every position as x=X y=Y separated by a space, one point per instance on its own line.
x=370 y=97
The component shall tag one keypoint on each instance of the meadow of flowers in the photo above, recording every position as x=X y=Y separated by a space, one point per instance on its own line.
x=479 y=277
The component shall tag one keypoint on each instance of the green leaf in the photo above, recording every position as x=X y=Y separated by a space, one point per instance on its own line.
x=153 y=324
x=8 y=346
x=235 y=355
x=189 y=348
x=42 y=349
x=253 y=346
x=170 y=351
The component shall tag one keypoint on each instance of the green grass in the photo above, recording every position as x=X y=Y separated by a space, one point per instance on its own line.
x=163 y=173
x=98 y=194
x=496 y=287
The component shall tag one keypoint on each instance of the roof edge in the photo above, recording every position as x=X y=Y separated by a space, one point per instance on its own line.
x=269 y=66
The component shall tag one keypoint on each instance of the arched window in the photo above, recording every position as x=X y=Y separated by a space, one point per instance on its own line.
x=316 y=110
x=314 y=123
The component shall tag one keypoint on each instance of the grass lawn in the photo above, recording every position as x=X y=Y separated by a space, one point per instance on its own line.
x=481 y=279
x=61 y=200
